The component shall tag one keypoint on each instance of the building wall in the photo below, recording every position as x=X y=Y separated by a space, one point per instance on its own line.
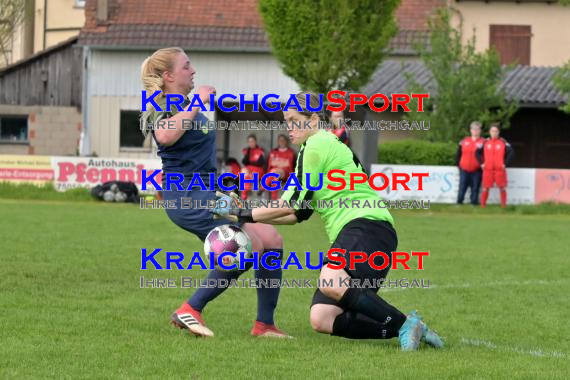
x=550 y=26
x=60 y=14
x=104 y=120
x=51 y=130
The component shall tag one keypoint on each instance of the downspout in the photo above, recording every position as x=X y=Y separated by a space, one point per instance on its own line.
x=85 y=140
x=45 y=24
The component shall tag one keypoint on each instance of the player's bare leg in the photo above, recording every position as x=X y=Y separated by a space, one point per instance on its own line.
x=322 y=317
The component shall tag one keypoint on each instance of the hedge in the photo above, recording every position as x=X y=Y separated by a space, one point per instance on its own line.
x=417 y=152
x=44 y=192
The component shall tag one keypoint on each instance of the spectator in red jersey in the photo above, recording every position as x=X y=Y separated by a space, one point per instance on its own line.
x=254 y=161
x=469 y=166
x=494 y=157
x=281 y=161
x=340 y=130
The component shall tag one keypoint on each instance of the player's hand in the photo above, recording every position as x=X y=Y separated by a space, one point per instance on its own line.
x=204 y=93
x=482 y=166
x=228 y=211
x=504 y=167
x=229 y=197
x=225 y=204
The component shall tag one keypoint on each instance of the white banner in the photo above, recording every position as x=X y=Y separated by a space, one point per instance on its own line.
x=442 y=184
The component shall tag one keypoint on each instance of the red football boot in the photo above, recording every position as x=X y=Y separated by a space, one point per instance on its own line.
x=261 y=329
x=185 y=317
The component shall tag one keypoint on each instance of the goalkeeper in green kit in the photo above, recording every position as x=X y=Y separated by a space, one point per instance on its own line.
x=341 y=310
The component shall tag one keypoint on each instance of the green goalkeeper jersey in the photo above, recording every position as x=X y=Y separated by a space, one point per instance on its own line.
x=321 y=153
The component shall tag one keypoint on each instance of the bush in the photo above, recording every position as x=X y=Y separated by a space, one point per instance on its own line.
x=417 y=152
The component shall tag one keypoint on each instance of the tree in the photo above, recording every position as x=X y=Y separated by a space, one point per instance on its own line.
x=12 y=15
x=467 y=84
x=326 y=45
x=561 y=79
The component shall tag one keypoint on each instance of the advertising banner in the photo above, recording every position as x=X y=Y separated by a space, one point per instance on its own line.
x=552 y=185
x=442 y=184
x=71 y=172
x=30 y=169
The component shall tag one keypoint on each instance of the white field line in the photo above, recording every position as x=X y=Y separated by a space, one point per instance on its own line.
x=467 y=285
x=485 y=343
x=518 y=350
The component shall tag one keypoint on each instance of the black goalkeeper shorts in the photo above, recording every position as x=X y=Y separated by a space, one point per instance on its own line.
x=363 y=235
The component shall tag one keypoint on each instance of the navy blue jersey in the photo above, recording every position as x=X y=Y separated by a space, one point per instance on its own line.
x=195 y=150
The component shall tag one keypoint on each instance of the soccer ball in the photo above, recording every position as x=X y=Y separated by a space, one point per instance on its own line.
x=109 y=196
x=120 y=197
x=228 y=238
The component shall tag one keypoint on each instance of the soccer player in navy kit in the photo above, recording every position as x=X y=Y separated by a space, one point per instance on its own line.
x=341 y=310
x=193 y=150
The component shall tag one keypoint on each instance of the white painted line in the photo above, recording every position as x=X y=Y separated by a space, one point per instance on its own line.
x=518 y=350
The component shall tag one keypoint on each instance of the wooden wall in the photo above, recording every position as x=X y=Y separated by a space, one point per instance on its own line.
x=51 y=79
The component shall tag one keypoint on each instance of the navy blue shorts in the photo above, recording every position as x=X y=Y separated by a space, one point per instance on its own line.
x=197 y=221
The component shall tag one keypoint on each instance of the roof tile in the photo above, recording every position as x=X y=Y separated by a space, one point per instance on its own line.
x=526 y=84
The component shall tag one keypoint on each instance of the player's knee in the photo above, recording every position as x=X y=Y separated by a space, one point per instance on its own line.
x=256 y=243
x=334 y=293
x=277 y=240
x=319 y=322
x=273 y=238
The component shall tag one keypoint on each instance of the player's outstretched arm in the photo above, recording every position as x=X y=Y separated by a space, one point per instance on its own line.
x=270 y=215
x=287 y=220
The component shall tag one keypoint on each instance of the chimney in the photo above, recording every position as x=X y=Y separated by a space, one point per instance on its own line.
x=102 y=10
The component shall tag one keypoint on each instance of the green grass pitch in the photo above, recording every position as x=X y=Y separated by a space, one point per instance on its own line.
x=71 y=305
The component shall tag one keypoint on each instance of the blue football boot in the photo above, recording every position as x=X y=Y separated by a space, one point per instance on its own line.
x=411 y=333
x=429 y=336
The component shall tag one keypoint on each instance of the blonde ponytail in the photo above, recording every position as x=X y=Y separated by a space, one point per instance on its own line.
x=152 y=69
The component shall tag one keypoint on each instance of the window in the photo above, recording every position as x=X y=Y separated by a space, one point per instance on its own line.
x=512 y=42
x=79 y=4
x=131 y=134
x=14 y=128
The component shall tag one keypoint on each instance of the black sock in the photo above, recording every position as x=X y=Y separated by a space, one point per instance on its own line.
x=267 y=296
x=367 y=302
x=353 y=325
